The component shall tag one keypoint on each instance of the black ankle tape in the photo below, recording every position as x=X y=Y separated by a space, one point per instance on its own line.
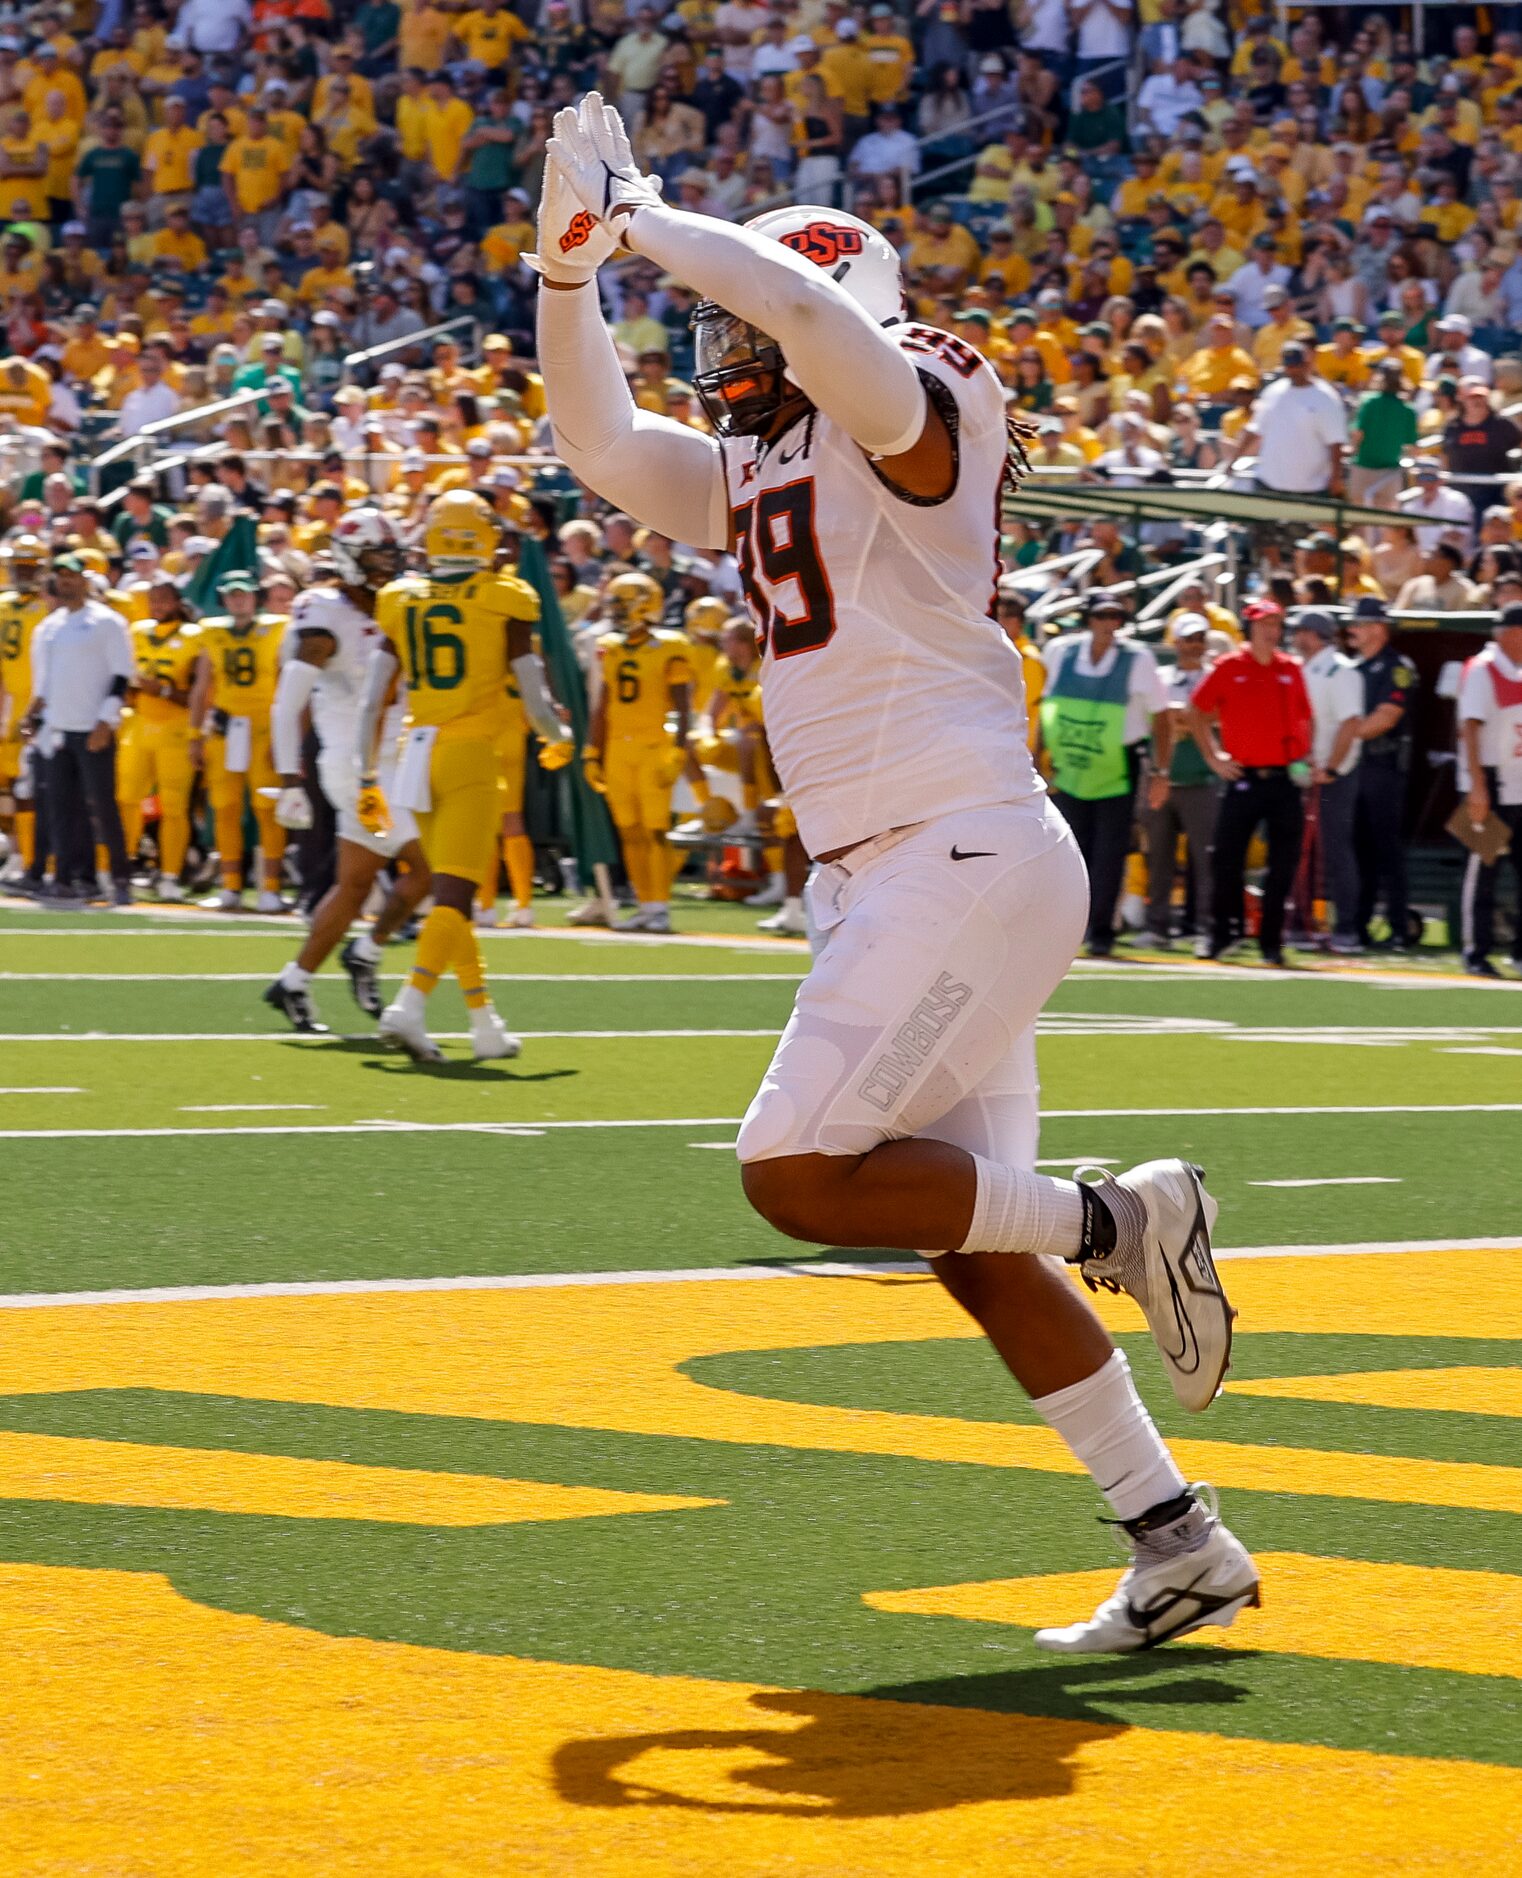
x=1098 y=1235
x=1156 y=1517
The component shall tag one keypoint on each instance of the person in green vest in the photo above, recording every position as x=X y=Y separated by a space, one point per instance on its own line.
x=1194 y=793
x=1104 y=697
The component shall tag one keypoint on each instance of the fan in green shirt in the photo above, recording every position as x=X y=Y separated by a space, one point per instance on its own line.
x=1384 y=425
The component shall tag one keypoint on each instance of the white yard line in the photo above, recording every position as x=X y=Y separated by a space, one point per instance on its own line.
x=51 y=1089
x=291 y=1036
x=252 y=1108
x=497 y=978
x=383 y=1125
x=1335 y=1180
x=724 y=1274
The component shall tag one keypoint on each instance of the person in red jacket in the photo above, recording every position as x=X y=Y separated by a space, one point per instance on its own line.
x=1252 y=719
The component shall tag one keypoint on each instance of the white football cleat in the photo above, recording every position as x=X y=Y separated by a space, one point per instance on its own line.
x=790 y=922
x=490 y=1039
x=14 y=869
x=1163 y=1217
x=225 y=900
x=486 y=915
x=589 y=913
x=406 y=1030
x=772 y=894
x=1163 y=1595
x=269 y=902
x=169 y=890
x=519 y=918
x=632 y=922
x=657 y=920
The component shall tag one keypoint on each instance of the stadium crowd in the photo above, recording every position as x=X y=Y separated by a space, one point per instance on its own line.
x=1195 y=238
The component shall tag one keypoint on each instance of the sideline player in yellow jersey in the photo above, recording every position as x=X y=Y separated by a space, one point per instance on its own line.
x=239 y=670
x=22 y=606
x=153 y=754
x=455 y=631
x=630 y=756
x=702 y=624
x=1009 y=610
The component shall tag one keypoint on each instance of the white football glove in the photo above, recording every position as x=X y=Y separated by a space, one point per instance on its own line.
x=592 y=148
x=573 y=244
x=293 y=808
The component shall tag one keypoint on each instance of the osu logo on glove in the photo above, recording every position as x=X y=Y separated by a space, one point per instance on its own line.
x=578 y=231
x=823 y=243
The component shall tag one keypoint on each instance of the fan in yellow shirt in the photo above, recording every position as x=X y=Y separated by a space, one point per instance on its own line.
x=177 y=241
x=1343 y=362
x=343 y=77
x=153 y=754
x=236 y=681
x=489 y=32
x=447 y=119
x=454 y=633
x=23 y=170
x=170 y=152
x=256 y=164
x=424 y=35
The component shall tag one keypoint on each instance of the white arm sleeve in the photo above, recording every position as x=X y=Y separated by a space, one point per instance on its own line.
x=538 y=706
x=662 y=473
x=292 y=694
x=843 y=361
x=372 y=703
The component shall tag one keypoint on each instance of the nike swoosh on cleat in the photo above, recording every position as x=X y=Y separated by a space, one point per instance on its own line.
x=973 y=854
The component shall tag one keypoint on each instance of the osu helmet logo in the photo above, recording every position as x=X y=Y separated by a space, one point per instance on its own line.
x=578 y=231
x=824 y=243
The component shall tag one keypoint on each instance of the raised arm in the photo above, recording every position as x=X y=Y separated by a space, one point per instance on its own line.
x=880 y=403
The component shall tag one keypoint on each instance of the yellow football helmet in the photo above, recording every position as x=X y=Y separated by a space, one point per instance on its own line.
x=26 y=560
x=460 y=535
x=705 y=618
x=634 y=603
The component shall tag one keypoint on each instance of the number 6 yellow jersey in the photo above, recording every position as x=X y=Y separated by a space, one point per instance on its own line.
x=450 y=633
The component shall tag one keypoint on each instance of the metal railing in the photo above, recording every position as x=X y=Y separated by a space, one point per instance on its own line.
x=353 y=361
x=150 y=435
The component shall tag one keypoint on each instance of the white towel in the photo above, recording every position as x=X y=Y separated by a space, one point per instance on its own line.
x=239 y=750
x=412 y=772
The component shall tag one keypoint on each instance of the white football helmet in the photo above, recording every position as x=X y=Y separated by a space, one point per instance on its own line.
x=851 y=252
x=366 y=549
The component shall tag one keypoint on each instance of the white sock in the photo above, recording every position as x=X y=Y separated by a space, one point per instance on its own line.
x=295 y=977
x=1106 y=1424
x=411 y=1002
x=777 y=881
x=1018 y=1211
x=366 y=948
x=652 y=906
x=793 y=904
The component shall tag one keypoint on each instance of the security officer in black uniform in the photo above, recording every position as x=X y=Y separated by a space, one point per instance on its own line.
x=1389 y=694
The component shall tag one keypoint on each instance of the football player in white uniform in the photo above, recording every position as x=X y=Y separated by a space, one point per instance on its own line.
x=855 y=471
x=332 y=636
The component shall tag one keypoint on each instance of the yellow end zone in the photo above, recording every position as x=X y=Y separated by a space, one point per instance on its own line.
x=126 y=1473
x=144 y=1734
x=608 y=1356
x=1346 y=1609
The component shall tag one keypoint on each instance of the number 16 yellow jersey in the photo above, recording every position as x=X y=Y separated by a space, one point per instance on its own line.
x=451 y=637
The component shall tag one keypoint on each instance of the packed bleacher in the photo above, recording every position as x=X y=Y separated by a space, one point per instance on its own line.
x=265 y=260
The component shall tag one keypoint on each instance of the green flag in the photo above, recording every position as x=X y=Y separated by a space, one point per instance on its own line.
x=591 y=828
x=236 y=553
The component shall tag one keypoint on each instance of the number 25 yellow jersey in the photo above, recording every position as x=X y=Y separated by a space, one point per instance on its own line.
x=451 y=637
x=159 y=655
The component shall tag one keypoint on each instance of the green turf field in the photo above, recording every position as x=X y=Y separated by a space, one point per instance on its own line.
x=465 y=1479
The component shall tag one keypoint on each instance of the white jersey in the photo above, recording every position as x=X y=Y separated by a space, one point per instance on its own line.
x=1490 y=693
x=341 y=682
x=891 y=695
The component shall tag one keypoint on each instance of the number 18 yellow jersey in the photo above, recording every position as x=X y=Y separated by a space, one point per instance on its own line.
x=451 y=638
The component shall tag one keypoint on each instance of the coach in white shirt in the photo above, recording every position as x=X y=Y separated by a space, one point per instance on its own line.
x=82 y=666
x=1168 y=96
x=1298 y=430
x=1335 y=689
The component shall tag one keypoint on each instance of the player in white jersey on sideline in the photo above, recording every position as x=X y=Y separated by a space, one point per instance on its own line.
x=856 y=471
x=332 y=635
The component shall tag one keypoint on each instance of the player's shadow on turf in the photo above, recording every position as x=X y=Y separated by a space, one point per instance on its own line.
x=460 y=1071
x=913 y=1748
